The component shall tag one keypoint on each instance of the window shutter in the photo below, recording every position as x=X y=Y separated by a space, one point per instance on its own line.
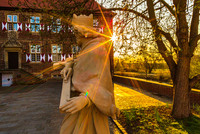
x=49 y=57
x=4 y=26
x=28 y=57
x=42 y=57
x=41 y=27
x=19 y=26
x=27 y=27
x=63 y=57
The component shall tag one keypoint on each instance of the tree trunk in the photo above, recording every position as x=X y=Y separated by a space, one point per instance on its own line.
x=181 y=100
x=180 y=70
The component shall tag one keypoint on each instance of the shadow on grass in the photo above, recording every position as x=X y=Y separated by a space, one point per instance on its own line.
x=157 y=119
x=191 y=124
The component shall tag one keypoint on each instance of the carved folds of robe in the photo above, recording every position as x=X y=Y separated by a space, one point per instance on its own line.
x=91 y=72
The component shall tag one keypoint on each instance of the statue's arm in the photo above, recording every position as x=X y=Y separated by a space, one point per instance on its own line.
x=60 y=64
x=67 y=70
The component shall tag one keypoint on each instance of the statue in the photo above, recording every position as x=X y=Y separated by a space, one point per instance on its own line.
x=92 y=97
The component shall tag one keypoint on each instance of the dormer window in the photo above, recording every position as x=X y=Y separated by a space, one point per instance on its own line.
x=12 y=22
x=35 y=24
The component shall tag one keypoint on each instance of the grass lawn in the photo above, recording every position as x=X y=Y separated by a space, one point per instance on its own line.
x=144 y=113
x=157 y=119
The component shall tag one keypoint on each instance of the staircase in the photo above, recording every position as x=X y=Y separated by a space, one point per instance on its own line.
x=23 y=77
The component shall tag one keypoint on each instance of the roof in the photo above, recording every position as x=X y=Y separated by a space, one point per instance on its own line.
x=51 y=4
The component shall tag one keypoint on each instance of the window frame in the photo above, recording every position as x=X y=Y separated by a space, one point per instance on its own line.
x=35 y=23
x=56 y=22
x=96 y=23
x=35 y=53
x=12 y=22
x=56 y=54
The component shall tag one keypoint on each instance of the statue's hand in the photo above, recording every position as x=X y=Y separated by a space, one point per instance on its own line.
x=75 y=104
x=66 y=72
x=56 y=64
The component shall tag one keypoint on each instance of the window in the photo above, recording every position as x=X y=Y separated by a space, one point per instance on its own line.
x=35 y=23
x=95 y=23
x=70 y=29
x=76 y=49
x=56 y=52
x=12 y=22
x=35 y=53
x=56 y=25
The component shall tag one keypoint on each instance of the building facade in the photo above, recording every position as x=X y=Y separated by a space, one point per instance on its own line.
x=29 y=45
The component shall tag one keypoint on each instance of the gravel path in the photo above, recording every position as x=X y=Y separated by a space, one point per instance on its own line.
x=33 y=110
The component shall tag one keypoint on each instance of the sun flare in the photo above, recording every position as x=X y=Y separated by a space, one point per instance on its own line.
x=114 y=38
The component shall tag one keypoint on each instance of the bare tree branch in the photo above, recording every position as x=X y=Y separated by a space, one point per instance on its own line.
x=171 y=40
x=161 y=46
x=138 y=4
x=194 y=80
x=168 y=58
x=194 y=37
x=157 y=32
x=159 y=8
x=128 y=10
x=193 y=43
x=168 y=7
x=142 y=14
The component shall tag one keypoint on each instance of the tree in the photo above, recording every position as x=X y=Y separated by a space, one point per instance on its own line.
x=182 y=42
x=118 y=65
x=149 y=58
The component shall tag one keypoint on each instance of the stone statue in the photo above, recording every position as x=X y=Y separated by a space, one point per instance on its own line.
x=92 y=97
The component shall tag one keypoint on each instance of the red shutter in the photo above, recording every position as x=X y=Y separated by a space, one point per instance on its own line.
x=28 y=57
x=19 y=26
x=4 y=26
x=42 y=57
x=50 y=58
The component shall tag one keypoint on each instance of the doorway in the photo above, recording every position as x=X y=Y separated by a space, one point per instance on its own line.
x=12 y=60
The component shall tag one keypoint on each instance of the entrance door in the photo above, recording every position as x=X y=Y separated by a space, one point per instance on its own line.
x=12 y=60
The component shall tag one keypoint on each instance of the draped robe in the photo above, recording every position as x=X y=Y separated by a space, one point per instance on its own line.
x=91 y=72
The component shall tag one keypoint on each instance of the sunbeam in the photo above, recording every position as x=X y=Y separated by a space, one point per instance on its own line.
x=98 y=82
x=114 y=38
x=136 y=84
x=92 y=48
x=105 y=21
x=88 y=29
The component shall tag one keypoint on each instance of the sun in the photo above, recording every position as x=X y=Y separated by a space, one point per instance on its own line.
x=113 y=38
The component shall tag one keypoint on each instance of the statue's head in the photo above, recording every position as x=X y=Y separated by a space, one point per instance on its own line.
x=83 y=26
x=82 y=20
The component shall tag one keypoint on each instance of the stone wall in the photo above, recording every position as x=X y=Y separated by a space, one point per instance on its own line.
x=160 y=89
